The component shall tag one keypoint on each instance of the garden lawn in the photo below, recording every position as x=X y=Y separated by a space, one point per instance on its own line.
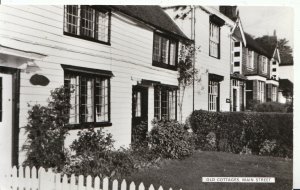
x=187 y=174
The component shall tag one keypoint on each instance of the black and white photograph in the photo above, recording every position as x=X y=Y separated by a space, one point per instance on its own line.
x=182 y=96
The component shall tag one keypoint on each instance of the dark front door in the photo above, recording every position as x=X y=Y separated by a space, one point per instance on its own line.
x=139 y=113
x=234 y=99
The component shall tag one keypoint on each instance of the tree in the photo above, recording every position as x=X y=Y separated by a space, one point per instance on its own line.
x=269 y=43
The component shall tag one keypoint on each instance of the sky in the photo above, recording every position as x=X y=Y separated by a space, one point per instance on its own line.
x=262 y=20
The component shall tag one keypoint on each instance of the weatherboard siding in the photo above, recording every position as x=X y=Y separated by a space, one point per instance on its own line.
x=129 y=57
x=205 y=64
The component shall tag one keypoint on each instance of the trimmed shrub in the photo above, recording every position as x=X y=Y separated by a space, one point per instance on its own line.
x=170 y=139
x=95 y=155
x=270 y=107
x=239 y=132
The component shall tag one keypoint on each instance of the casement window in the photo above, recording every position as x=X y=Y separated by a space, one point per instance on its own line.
x=263 y=63
x=87 y=22
x=89 y=97
x=164 y=52
x=250 y=59
x=165 y=103
x=214 y=40
x=261 y=91
x=274 y=93
x=213 y=95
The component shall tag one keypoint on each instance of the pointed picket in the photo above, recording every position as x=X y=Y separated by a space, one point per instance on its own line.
x=123 y=185
x=170 y=188
x=151 y=187
x=80 y=182
x=97 y=183
x=115 y=185
x=105 y=183
x=27 y=178
x=132 y=186
x=15 y=181
x=160 y=188
x=141 y=186
x=57 y=181
x=65 y=184
x=73 y=185
x=34 y=179
x=89 y=182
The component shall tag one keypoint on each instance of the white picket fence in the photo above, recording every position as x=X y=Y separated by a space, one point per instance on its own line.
x=33 y=179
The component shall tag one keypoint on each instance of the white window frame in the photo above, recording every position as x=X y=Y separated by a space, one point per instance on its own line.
x=214 y=40
x=213 y=94
x=96 y=27
x=261 y=91
x=250 y=59
x=169 y=111
x=274 y=93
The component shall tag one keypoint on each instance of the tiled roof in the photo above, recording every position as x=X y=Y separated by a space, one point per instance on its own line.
x=152 y=15
x=254 y=45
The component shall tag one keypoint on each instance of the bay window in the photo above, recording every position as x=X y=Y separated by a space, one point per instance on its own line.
x=164 y=52
x=87 y=22
x=261 y=91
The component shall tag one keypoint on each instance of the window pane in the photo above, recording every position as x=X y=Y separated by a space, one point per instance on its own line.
x=71 y=19
x=156 y=48
x=157 y=105
x=101 y=100
x=102 y=21
x=137 y=104
x=164 y=104
x=72 y=81
x=165 y=50
x=172 y=53
x=87 y=21
x=87 y=102
x=213 y=95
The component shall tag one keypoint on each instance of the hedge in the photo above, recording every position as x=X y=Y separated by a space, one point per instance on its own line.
x=244 y=132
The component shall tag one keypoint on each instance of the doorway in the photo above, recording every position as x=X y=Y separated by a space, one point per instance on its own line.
x=139 y=120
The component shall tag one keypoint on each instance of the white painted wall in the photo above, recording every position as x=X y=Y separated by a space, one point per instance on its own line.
x=204 y=63
x=40 y=29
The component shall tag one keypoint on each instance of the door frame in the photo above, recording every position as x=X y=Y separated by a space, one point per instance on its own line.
x=15 y=110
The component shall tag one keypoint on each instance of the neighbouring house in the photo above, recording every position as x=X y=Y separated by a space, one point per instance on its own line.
x=120 y=59
x=286 y=80
x=211 y=35
x=254 y=70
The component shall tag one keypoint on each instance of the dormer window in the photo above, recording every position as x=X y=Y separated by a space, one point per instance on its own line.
x=87 y=22
x=164 y=52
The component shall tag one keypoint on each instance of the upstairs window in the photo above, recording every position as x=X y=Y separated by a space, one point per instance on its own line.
x=250 y=59
x=263 y=61
x=88 y=23
x=214 y=40
x=164 y=52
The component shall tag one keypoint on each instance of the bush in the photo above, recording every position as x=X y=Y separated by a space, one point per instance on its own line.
x=270 y=107
x=47 y=130
x=170 y=139
x=239 y=132
x=95 y=155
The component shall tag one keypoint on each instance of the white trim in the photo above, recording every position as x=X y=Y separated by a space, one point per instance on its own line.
x=256 y=77
x=276 y=83
x=21 y=53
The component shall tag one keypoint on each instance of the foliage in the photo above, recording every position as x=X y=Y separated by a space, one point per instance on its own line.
x=139 y=134
x=270 y=42
x=240 y=132
x=47 y=130
x=170 y=139
x=270 y=107
x=95 y=155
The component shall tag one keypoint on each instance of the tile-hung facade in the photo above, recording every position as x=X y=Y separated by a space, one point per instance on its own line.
x=121 y=61
x=211 y=35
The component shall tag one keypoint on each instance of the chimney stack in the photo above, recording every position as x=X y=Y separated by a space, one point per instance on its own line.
x=230 y=11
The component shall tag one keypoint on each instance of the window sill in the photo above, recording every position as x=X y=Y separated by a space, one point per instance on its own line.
x=165 y=66
x=86 y=38
x=216 y=57
x=88 y=125
x=250 y=68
